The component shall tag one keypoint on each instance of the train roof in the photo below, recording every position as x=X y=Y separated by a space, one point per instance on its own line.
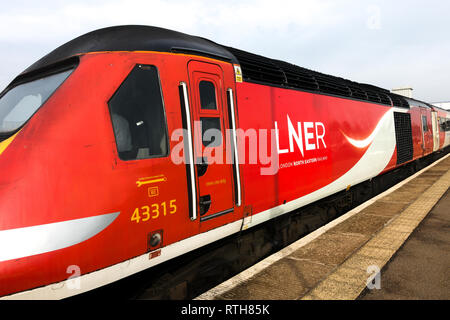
x=133 y=38
x=423 y=104
x=439 y=108
x=255 y=68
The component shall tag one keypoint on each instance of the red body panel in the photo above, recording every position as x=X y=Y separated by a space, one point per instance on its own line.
x=338 y=116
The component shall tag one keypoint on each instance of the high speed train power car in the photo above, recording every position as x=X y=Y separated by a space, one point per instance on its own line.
x=130 y=146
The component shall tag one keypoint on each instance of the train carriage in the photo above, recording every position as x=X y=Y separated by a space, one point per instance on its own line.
x=443 y=124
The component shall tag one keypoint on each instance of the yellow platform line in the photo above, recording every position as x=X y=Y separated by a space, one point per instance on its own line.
x=350 y=278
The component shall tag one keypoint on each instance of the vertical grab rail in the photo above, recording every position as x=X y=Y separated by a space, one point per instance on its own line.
x=190 y=152
x=235 y=151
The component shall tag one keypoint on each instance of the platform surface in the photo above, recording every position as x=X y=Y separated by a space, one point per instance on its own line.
x=339 y=260
x=420 y=269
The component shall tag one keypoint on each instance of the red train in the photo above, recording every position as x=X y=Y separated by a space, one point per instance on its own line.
x=132 y=145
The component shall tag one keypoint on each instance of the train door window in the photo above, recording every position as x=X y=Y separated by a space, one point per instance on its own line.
x=207 y=95
x=424 y=124
x=211 y=133
x=138 y=116
x=442 y=123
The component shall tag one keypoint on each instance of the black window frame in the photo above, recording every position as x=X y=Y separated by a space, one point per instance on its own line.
x=164 y=113
x=216 y=105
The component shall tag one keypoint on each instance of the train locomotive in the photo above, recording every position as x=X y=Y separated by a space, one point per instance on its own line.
x=130 y=146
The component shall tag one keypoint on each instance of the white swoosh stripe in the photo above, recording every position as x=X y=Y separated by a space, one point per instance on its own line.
x=28 y=241
x=361 y=144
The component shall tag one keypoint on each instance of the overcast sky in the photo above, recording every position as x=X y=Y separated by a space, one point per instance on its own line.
x=385 y=43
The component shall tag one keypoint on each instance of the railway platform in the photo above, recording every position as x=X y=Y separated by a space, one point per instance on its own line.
x=367 y=253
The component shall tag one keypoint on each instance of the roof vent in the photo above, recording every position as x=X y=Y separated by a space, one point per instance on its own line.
x=260 y=69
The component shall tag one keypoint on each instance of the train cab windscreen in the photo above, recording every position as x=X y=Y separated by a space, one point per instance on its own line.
x=19 y=103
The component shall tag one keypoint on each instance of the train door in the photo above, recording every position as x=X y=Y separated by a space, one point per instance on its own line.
x=214 y=172
x=427 y=139
x=435 y=129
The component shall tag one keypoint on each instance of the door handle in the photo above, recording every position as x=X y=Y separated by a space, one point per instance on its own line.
x=237 y=179
x=184 y=101
x=205 y=204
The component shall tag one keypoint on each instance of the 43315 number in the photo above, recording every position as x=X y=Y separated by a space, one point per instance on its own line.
x=154 y=211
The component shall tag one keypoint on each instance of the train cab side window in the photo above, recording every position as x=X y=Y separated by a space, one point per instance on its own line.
x=207 y=95
x=138 y=117
x=424 y=124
